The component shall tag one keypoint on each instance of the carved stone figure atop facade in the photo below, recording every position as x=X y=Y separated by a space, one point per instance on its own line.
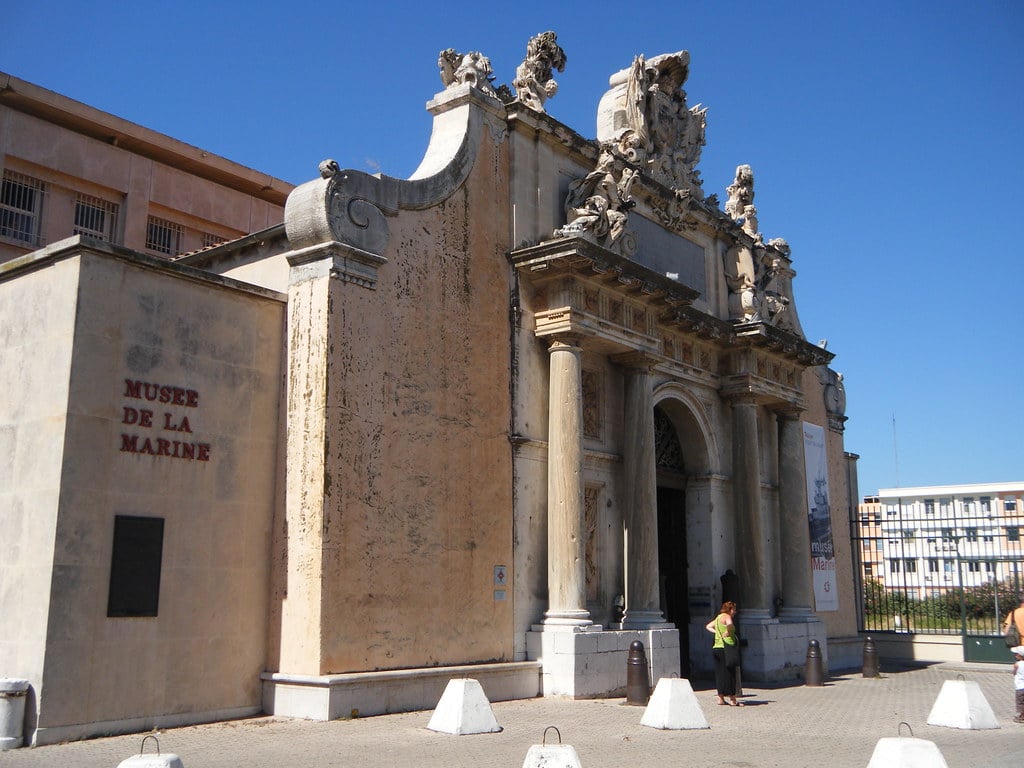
x=597 y=206
x=473 y=68
x=741 y=192
x=756 y=274
x=646 y=115
x=534 y=82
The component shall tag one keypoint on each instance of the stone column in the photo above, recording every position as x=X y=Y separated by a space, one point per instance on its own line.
x=797 y=579
x=643 y=598
x=751 y=525
x=567 y=597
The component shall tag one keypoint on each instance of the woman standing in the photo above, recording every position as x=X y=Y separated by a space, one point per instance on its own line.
x=726 y=652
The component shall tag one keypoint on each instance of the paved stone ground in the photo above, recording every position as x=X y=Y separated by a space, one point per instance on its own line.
x=835 y=726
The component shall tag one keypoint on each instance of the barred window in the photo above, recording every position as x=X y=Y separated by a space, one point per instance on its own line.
x=96 y=218
x=21 y=207
x=163 y=236
x=210 y=239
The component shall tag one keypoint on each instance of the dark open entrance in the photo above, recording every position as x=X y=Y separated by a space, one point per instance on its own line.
x=672 y=563
x=673 y=567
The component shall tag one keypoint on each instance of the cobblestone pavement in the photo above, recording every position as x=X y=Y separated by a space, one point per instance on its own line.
x=834 y=726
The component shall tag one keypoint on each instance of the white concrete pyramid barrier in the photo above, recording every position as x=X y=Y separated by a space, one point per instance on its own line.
x=152 y=760
x=674 y=707
x=546 y=755
x=961 y=704
x=907 y=753
x=463 y=709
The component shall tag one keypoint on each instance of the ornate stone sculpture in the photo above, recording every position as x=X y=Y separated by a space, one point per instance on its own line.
x=534 y=82
x=835 y=398
x=753 y=270
x=598 y=205
x=646 y=116
x=473 y=68
x=741 y=192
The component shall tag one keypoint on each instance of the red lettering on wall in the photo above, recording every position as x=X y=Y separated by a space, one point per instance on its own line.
x=143 y=417
x=161 y=447
x=176 y=426
x=164 y=393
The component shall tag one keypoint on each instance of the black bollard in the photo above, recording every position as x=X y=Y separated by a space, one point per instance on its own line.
x=813 y=673
x=638 y=683
x=870 y=658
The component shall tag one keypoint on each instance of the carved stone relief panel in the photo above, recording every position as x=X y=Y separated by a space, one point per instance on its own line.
x=591 y=497
x=592 y=382
x=638 y=319
x=615 y=311
x=667 y=449
x=686 y=356
x=668 y=346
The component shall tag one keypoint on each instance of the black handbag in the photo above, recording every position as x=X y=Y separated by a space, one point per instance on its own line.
x=1012 y=636
x=732 y=655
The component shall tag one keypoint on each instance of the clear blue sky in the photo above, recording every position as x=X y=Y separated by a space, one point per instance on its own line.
x=885 y=139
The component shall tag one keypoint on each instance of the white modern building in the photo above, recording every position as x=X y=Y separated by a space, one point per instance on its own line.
x=914 y=538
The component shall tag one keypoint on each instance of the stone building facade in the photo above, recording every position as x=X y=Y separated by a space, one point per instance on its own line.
x=541 y=399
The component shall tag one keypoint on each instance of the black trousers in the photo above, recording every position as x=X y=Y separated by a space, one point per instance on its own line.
x=726 y=662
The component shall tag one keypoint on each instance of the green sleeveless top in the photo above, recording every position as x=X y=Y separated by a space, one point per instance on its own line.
x=723 y=636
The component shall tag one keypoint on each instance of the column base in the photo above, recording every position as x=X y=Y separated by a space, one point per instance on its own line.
x=642 y=620
x=758 y=615
x=797 y=613
x=775 y=650
x=571 y=618
x=591 y=663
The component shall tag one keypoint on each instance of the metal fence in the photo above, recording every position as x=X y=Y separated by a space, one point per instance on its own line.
x=938 y=566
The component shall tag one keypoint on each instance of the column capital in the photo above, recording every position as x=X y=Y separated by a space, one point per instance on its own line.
x=790 y=412
x=742 y=398
x=564 y=342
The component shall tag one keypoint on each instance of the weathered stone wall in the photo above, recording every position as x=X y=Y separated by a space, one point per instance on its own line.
x=171 y=403
x=418 y=469
x=37 y=316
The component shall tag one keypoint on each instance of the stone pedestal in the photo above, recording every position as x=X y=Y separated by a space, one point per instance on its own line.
x=588 y=663
x=777 y=648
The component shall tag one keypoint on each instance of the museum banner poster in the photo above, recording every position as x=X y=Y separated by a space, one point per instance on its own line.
x=819 y=519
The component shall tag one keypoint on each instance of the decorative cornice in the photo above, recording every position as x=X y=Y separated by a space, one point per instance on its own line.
x=576 y=255
x=351 y=207
x=336 y=260
x=789 y=345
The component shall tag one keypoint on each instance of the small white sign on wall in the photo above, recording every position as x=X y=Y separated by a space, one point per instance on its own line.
x=500 y=576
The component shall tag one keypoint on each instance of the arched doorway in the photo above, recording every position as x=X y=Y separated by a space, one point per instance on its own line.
x=691 y=539
x=673 y=566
